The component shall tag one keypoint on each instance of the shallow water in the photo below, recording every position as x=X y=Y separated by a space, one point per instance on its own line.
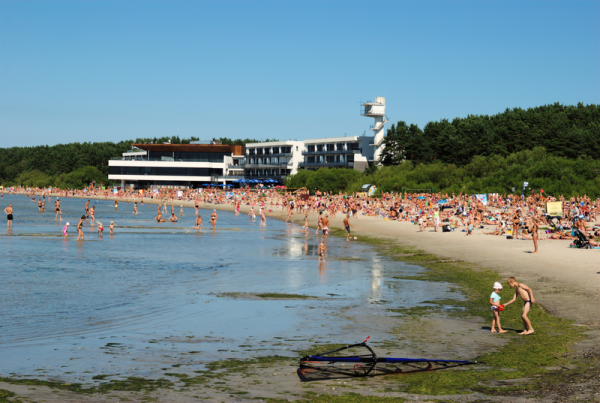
x=152 y=295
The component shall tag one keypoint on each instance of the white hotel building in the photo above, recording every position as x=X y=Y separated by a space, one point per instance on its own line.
x=175 y=165
x=191 y=165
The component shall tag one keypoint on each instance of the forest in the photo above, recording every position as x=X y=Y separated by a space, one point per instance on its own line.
x=554 y=174
x=564 y=131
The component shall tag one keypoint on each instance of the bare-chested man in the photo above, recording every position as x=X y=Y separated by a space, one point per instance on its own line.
x=173 y=217
x=526 y=295
x=347 y=226
x=159 y=217
x=40 y=206
x=87 y=208
x=9 y=216
x=325 y=222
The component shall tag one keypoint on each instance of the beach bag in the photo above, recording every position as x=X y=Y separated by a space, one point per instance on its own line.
x=509 y=237
x=446 y=228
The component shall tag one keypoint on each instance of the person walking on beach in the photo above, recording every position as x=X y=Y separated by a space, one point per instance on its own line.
x=213 y=219
x=80 y=228
x=9 y=216
x=436 y=219
x=535 y=227
x=526 y=295
x=496 y=308
x=347 y=226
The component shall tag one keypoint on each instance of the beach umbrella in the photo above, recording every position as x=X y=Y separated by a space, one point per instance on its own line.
x=255 y=181
x=229 y=185
x=237 y=180
x=206 y=184
x=420 y=197
x=270 y=181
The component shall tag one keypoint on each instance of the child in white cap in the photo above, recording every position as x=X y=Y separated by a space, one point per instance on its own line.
x=496 y=308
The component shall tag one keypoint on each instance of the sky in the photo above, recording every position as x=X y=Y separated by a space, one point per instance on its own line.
x=90 y=71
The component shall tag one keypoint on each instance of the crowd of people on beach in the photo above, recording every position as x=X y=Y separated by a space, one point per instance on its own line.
x=512 y=216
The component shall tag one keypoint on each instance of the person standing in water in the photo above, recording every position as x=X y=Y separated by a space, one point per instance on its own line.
x=321 y=252
x=57 y=209
x=80 y=228
x=135 y=208
x=181 y=211
x=65 y=228
x=325 y=222
x=9 y=216
x=213 y=219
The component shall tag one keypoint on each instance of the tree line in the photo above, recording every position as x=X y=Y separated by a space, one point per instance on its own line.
x=564 y=131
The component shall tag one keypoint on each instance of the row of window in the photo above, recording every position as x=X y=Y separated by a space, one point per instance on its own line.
x=168 y=171
x=330 y=158
x=263 y=173
x=270 y=150
x=266 y=161
x=331 y=147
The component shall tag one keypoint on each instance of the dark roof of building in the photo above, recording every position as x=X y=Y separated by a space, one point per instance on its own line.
x=193 y=148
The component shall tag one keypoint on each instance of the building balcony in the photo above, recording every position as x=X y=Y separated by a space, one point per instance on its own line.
x=325 y=152
x=326 y=164
x=236 y=166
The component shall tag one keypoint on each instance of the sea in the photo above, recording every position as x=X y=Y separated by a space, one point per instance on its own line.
x=158 y=295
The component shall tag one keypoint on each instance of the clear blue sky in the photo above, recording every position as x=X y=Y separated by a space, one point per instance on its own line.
x=116 y=70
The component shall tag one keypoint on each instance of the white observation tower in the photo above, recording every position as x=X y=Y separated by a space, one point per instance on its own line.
x=376 y=110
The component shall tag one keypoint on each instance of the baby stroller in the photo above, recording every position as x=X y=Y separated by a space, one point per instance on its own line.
x=582 y=241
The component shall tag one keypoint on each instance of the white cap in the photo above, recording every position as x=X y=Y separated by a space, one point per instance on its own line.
x=497 y=286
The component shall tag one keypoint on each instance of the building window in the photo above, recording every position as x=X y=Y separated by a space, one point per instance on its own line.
x=319 y=147
x=310 y=148
x=330 y=147
x=311 y=160
x=331 y=158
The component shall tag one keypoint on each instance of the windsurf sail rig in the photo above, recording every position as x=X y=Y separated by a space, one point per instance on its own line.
x=366 y=362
